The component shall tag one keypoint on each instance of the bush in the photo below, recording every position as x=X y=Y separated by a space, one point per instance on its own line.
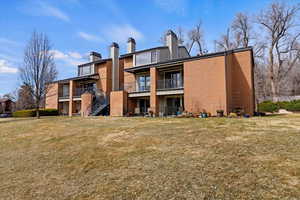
x=283 y=104
x=293 y=106
x=32 y=113
x=268 y=106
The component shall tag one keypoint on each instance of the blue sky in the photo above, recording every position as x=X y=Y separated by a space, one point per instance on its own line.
x=76 y=27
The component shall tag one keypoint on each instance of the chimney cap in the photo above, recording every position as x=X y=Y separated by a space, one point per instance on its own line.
x=94 y=53
x=170 y=32
x=114 y=44
x=130 y=39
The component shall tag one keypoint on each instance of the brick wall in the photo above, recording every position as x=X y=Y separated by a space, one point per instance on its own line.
x=205 y=85
x=240 y=81
x=118 y=103
x=52 y=96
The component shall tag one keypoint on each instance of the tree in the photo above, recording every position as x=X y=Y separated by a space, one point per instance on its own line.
x=226 y=42
x=242 y=28
x=25 y=98
x=283 y=46
x=196 y=36
x=38 y=68
x=238 y=35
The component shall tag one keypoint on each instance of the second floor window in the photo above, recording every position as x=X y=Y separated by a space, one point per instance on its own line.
x=65 y=90
x=85 y=70
x=145 y=58
x=143 y=83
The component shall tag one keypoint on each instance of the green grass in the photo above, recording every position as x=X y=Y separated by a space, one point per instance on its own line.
x=150 y=158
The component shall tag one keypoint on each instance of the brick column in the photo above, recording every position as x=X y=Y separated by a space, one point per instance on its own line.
x=86 y=104
x=118 y=103
x=71 y=98
x=153 y=98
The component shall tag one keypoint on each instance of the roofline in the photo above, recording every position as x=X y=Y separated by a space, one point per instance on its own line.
x=144 y=50
x=75 y=78
x=181 y=60
x=95 y=62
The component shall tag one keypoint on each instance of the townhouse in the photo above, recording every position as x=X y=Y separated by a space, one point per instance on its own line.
x=163 y=81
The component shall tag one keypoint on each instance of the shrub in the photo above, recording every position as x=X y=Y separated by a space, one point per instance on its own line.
x=293 y=106
x=283 y=104
x=268 y=106
x=32 y=113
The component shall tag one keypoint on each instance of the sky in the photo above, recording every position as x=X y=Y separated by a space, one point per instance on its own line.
x=77 y=27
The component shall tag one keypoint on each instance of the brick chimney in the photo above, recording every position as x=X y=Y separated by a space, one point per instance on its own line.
x=114 y=54
x=172 y=43
x=131 y=45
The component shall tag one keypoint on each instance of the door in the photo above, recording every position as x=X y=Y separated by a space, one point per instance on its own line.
x=173 y=105
x=144 y=105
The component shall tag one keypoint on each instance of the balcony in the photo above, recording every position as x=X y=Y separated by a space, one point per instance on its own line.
x=133 y=87
x=63 y=97
x=169 y=84
x=136 y=90
x=79 y=91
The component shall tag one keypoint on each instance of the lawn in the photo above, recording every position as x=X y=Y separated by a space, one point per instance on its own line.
x=150 y=158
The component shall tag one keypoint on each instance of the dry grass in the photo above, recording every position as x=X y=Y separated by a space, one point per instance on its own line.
x=140 y=158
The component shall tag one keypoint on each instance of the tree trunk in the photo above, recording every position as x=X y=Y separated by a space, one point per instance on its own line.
x=37 y=109
x=273 y=90
x=38 y=113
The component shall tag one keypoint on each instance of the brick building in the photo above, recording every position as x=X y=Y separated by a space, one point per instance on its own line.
x=163 y=80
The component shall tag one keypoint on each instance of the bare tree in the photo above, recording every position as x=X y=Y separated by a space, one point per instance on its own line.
x=242 y=28
x=283 y=41
x=38 y=68
x=238 y=35
x=226 y=42
x=196 y=37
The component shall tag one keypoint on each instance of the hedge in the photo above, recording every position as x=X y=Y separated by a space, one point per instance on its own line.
x=269 y=106
x=32 y=113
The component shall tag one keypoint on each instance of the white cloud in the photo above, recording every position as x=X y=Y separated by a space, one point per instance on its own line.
x=41 y=8
x=6 y=68
x=70 y=58
x=75 y=55
x=172 y=6
x=89 y=37
x=9 y=42
x=120 y=33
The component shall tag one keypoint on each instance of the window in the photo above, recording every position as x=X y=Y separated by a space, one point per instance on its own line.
x=143 y=83
x=85 y=70
x=153 y=56
x=145 y=58
x=173 y=80
x=65 y=90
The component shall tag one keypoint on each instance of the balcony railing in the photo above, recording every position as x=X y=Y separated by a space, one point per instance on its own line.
x=134 y=87
x=63 y=96
x=79 y=91
x=169 y=84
